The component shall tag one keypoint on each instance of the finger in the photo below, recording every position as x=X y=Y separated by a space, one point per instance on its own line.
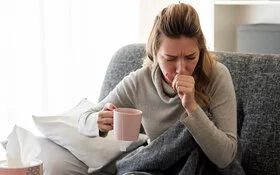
x=184 y=84
x=183 y=80
x=179 y=80
x=105 y=121
x=105 y=114
x=104 y=128
x=109 y=107
x=184 y=90
x=174 y=83
x=186 y=78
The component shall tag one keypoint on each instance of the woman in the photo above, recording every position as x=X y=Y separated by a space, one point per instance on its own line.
x=179 y=80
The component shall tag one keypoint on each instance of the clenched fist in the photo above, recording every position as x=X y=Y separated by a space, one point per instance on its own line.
x=184 y=85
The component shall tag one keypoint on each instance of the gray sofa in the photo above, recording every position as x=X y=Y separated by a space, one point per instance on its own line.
x=256 y=79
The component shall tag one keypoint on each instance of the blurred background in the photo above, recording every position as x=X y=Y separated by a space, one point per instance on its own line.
x=53 y=53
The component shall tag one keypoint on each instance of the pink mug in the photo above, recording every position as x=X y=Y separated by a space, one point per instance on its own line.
x=127 y=122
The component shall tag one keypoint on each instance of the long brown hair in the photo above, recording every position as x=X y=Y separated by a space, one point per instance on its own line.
x=179 y=20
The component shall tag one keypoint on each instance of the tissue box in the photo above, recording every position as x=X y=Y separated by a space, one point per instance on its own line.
x=35 y=168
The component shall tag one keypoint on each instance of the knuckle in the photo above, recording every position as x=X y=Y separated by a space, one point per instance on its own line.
x=106 y=106
x=100 y=114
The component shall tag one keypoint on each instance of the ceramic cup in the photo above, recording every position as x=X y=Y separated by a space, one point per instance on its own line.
x=127 y=122
x=35 y=168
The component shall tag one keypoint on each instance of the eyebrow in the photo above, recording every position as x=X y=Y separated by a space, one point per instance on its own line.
x=190 y=55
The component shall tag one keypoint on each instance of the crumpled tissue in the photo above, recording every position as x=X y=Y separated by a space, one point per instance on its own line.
x=22 y=148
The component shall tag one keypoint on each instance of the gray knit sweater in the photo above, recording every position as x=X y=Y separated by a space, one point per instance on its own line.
x=145 y=90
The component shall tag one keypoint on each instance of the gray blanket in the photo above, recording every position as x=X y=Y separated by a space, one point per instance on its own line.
x=175 y=152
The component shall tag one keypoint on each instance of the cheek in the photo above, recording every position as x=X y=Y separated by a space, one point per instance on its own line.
x=192 y=67
x=168 y=71
x=169 y=77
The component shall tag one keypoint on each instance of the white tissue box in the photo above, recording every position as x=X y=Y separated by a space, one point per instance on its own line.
x=35 y=168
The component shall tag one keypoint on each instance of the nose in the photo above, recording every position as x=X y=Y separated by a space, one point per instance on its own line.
x=181 y=67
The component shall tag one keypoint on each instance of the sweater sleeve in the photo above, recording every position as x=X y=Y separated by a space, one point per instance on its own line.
x=120 y=96
x=216 y=138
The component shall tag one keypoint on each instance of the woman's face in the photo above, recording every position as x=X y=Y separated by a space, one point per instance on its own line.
x=177 y=56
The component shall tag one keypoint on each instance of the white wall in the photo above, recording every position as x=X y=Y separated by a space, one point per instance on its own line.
x=228 y=17
x=225 y=27
x=147 y=12
x=148 y=9
x=260 y=14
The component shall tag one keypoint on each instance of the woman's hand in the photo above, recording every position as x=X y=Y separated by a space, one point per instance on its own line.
x=184 y=85
x=105 y=118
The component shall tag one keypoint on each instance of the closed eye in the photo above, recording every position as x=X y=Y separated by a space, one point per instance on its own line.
x=170 y=58
x=190 y=58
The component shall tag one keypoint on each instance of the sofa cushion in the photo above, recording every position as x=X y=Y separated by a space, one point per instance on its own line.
x=96 y=152
x=256 y=79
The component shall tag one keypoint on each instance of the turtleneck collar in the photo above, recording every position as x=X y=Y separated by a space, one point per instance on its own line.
x=164 y=90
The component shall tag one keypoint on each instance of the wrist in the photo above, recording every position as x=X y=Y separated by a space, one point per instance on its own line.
x=191 y=108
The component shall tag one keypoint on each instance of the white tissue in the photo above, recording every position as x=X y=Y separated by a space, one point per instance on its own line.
x=22 y=148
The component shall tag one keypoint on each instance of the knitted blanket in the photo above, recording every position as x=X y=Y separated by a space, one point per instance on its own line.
x=175 y=152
